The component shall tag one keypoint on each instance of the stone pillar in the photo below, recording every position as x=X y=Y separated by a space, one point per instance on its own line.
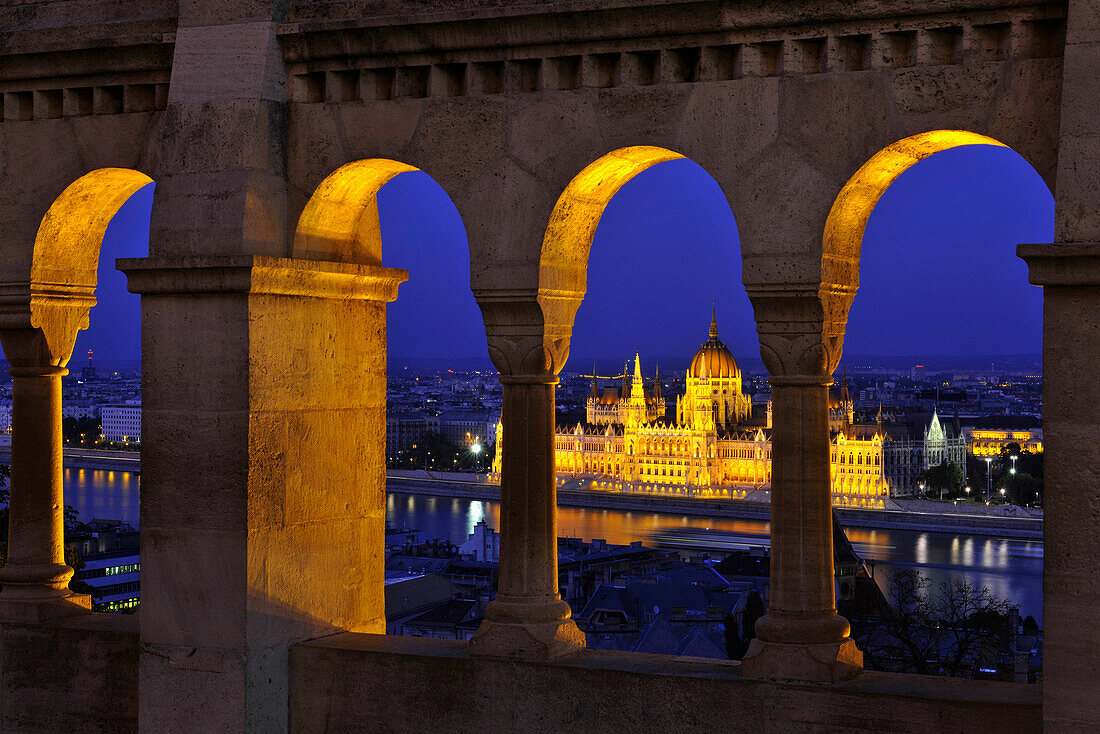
x=801 y=637
x=528 y=618
x=36 y=577
x=1070 y=276
x=38 y=335
x=263 y=477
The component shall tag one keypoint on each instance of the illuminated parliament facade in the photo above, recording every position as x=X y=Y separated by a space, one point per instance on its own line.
x=716 y=449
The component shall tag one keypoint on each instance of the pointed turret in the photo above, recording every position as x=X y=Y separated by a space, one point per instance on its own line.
x=713 y=323
x=626 y=380
x=657 y=382
x=595 y=389
x=935 y=428
x=637 y=387
x=845 y=400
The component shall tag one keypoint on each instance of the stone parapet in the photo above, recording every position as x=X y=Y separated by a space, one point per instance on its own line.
x=397 y=684
x=78 y=675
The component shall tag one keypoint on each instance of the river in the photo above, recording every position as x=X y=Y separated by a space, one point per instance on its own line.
x=1012 y=569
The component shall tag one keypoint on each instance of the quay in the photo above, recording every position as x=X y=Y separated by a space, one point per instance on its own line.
x=472 y=486
x=938 y=518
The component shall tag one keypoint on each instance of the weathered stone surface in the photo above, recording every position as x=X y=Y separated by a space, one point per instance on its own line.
x=368 y=683
x=1070 y=276
x=78 y=675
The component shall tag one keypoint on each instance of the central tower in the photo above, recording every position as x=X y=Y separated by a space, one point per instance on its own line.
x=712 y=395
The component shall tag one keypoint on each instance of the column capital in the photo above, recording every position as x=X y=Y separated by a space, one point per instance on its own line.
x=1062 y=264
x=801 y=327
x=262 y=275
x=39 y=322
x=528 y=330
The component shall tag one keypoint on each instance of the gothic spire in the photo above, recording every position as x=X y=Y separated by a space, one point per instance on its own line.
x=713 y=323
x=595 y=389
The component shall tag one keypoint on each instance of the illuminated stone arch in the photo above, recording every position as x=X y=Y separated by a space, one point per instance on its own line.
x=567 y=241
x=39 y=321
x=842 y=240
x=340 y=221
x=66 y=257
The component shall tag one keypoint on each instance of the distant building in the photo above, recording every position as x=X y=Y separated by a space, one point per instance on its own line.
x=714 y=449
x=909 y=451
x=454 y=620
x=482 y=545
x=411 y=593
x=990 y=442
x=110 y=563
x=405 y=431
x=467 y=428
x=87 y=372
x=121 y=423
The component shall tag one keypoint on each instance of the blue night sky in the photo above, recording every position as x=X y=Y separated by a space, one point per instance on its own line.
x=939 y=274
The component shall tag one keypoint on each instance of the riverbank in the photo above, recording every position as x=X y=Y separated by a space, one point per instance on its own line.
x=938 y=517
x=128 y=461
x=469 y=487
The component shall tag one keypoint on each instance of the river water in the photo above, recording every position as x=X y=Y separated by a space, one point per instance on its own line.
x=1011 y=569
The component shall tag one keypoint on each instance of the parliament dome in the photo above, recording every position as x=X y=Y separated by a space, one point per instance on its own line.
x=714 y=359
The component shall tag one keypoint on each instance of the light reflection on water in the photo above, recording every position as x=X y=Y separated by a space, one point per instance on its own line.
x=1012 y=569
x=104 y=495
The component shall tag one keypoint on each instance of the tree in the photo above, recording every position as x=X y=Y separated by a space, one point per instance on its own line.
x=738 y=637
x=1021 y=488
x=80 y=431
x=933 y=629
x=945 y=477
x=1025 y=485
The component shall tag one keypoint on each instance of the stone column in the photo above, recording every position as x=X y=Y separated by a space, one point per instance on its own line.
x=801 y=637
x=528 y=618
x=263 y=477
x=36 y=578
x=1070 y=276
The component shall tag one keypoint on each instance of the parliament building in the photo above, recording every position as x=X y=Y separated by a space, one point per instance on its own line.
x=716 y=449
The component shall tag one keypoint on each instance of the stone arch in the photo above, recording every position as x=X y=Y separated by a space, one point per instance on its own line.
x=66 y=247
x=563 y=261
x=567 y=240
x=847 y=220
x=39 y=320
x=66 y=256
x=340 y=221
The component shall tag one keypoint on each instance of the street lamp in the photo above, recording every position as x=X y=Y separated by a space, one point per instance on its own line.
x=1013 y=469
x=989 y=478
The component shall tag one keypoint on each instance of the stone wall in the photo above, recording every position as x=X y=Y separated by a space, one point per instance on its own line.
x=78 y=675
x=371 y=683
